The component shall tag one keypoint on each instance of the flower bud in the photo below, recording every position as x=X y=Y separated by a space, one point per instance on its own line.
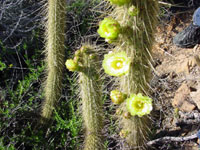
x=117 y=97
x=109 y=29
x=77 y=53
x=83 y=49
x=76 y=59
x=71 y=65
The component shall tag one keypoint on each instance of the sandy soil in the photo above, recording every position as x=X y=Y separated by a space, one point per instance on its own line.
x=176 y=86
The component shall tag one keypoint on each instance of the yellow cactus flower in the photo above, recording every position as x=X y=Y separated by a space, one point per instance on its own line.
x=139 y=105
x=117 y=97
x=119 y=2
x=116 y=64
x=71 y=65
x=109 y=29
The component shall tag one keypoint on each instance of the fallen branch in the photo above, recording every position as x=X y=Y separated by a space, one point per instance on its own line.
x=188 y=122
x=172 y=139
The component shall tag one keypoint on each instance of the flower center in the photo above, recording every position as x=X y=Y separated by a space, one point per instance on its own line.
x=138 y=105
x=117 y=64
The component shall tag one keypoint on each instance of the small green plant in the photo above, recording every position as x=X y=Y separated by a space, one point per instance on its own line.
x=2 y=46
x=2 y=66
x=3 y=147
x=72 y=124
x=20 y=119
x=18 y=104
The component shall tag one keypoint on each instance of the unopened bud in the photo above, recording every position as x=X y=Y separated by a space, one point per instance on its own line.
x=117 y=97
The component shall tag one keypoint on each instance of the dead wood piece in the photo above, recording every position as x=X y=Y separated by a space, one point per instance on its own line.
x=172 y=139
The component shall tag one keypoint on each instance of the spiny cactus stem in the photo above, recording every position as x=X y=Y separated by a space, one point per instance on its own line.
x=55 y=29
x=140 y=26
x=90 y=93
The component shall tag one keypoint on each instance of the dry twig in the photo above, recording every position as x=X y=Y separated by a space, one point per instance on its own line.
x=171 y=139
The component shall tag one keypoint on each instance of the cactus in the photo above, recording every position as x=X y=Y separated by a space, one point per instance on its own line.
x=138 y=20
x=91 y=95
x=55 y=29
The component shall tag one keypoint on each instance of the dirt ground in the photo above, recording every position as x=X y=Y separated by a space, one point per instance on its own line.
x=176 y=86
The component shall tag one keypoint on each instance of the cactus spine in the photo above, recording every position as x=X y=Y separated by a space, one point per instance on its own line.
x=55 y=29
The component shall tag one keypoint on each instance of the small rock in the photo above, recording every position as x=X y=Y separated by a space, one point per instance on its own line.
x=186 y=65
x=190 y=146
x=187 y=106
x=182 y=67
x=196 y=97
x=181 y=99
x=197 y=59
x=172 y=75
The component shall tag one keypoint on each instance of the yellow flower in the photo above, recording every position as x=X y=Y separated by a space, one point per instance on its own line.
x=109 y=29
x=119 y=2
x=116 y=64
x=139 y=105
x=71 y=65
x=117 y=97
